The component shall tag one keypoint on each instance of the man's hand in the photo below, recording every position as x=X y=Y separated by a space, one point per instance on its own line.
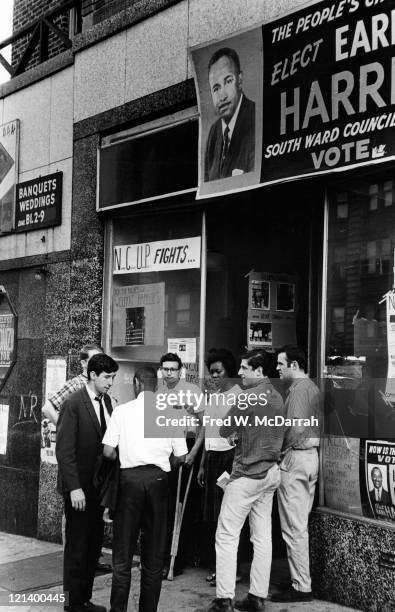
x=77 y=498
x=190 y=458
x=200 y=476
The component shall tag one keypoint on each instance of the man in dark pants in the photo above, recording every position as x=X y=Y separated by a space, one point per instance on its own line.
x=143 y=494
x=81 y=426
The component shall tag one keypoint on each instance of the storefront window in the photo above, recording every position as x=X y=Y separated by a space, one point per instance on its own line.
x=154 y=299
x=359 y=448
x=261 y=258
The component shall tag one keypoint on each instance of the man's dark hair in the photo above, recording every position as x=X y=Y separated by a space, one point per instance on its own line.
x=85 y=350
x=295 y=353
x=101 y=363
x=225 y=357
x=258 y=358
x=171 y=357
x=147 y=377
x=225 y=52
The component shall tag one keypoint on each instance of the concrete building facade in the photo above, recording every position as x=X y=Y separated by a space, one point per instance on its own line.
x=117 y=112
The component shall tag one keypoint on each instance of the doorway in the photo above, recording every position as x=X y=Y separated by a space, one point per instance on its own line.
x=268 y=233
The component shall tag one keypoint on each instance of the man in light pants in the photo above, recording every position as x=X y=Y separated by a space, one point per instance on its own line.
x=255 y=476
x=299 y=470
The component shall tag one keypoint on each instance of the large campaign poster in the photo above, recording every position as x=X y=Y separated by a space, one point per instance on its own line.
x=328 y=95
x=380 y=478
x=229 y=76
x=328 y=89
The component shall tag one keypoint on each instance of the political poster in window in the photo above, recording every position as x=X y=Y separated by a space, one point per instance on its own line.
x=259 y=334
x=260 y=295
x=271 y=316
x=228 y=77
x=138 y=315
x=380 y=478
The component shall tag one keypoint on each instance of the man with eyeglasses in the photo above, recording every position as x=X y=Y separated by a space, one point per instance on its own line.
x=171 y=369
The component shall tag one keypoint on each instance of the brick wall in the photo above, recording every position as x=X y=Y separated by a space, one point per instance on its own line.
x=28 y=11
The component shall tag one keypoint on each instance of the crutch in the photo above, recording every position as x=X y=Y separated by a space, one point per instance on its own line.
x=178 y=516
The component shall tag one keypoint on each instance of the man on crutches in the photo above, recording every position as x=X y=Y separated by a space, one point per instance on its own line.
x=178 y=516
x=172 y=383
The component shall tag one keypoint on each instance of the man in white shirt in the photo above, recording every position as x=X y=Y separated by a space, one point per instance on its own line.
x=143 y=494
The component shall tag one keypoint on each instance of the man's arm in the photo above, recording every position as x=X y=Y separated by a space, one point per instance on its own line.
x=111 y=437
x=190 y=458
x=109 y=452
x=227 y=430
x=54 y=403
x=66 y=454
x=50 y=413
x=303 y=404
x=180 y=450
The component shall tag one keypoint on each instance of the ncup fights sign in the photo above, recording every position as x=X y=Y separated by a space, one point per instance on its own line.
x=329 y=88
x=160 y=256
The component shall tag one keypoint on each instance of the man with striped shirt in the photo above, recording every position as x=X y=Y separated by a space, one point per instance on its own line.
x=254 y=478
x=54 y=403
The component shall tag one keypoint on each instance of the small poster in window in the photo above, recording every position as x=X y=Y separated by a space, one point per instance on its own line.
x=260 y=334
x=260 y=295
x=271 y=316
x=285 y=297
x=380 y=479
x=184 y=347
x=138 y=315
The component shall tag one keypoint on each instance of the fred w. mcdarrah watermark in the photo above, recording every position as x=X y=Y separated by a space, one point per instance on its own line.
x=197 y=402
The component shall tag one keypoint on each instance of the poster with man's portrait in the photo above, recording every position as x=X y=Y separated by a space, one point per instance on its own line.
x=260 y=295
x=380 y=479
x=229 y=82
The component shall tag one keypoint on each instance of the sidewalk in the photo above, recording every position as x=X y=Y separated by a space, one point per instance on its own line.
x=40 y=565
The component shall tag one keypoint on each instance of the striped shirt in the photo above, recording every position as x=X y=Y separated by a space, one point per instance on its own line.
x=74 y=384
x=258 y=446
x=303 y=401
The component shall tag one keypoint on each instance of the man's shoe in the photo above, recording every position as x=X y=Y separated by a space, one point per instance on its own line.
x=220 y=605
x=292 y=595
x=250 y=603
x=89 y=606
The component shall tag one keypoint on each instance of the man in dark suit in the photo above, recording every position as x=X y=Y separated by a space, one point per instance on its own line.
x=81 y=426
x=378 y=495
x=230 y=149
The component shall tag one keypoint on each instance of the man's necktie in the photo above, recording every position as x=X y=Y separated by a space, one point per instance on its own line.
x=103 y=425
x=225 y=149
